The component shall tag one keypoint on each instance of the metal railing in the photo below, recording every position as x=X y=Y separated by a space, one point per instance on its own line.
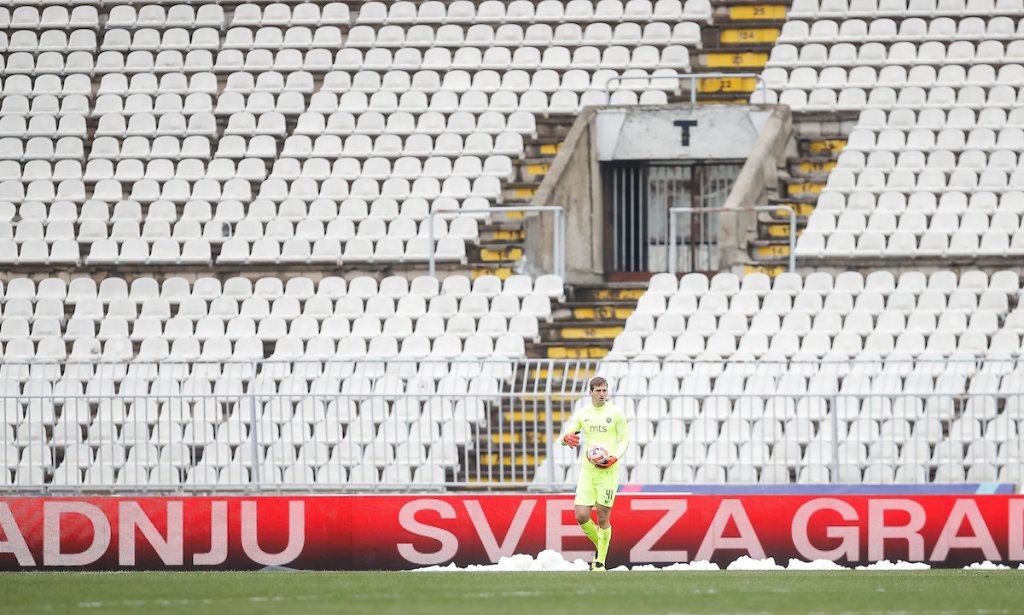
x=692 y=77
x=415 y=425
x=557 y=240
x=673 y=212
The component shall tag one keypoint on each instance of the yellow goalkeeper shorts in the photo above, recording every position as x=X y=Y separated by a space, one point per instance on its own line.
x=597 y=485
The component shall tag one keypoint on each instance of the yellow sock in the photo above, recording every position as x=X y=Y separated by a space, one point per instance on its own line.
x=591 y=530
x=604 y=538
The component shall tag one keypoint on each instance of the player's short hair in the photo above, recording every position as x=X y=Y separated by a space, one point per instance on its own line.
x=596 y=382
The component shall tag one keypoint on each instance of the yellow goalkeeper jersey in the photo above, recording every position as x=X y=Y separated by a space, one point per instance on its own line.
x=605 y=426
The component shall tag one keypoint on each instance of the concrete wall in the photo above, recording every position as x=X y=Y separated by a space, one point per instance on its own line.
x=574 y=183
x=758 y=179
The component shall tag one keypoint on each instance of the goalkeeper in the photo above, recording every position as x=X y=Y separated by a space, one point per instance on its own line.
x=602 y=424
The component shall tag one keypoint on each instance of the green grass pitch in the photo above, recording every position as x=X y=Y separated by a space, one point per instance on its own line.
x=519 y=593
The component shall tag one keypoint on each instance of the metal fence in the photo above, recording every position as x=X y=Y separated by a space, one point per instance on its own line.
x=416 y=425
x=646 y=197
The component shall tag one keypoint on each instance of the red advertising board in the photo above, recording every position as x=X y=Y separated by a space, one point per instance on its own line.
x=408 y=531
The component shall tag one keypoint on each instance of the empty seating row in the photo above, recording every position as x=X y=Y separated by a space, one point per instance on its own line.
x=872 y=474
x=374 y=91
x=200 y=449
x=292 y=210
x=42 y=125
x=31 y=18
x=823 y=283
x=925 y=180
x=952 y=139
x=54 y=62
x=927 y=203
x=701 y=315
x=937 y=119
x=941 y=159
x=673 y=51
x=174 y=16
x=148 y=84
x=431 y=326
x=915 y=222
x=150 y=39
x=228 y=477
x=45 y=104
x=202 y=476
x=357 y=250
x=177 y=289
x=282 y=14
x=940 y=97
x=930 y=244
x=514 y=35
x=897 y=77
x=330 y=146
x=888 y=31
x=902 y=53
x=464 y=12
x=48 y=84
x=57 y=41
x=869 y=9
x=305 y=189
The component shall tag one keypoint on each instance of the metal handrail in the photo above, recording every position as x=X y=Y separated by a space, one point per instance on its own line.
x=678 y=210
x=851 y=397
x=693 y=77
x=827 y=423
x=558 y=241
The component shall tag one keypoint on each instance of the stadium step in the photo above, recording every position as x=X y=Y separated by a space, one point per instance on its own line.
x=601 y=312
x=543 y=373
x=758 y=12
x=586 y=325
x=748 y=36
x=811 y=166
x=769 y=270
x=501 y=245
x=733 y=60
x=581 y=333
x=576 y=351
x=820 y=139
x=739 y=40
x=583 y=328
x=511 y=460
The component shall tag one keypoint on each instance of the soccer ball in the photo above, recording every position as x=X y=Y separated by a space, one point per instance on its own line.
x=597 y=454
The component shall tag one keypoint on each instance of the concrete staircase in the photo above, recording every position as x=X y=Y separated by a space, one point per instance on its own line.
x=738 y=41
x=586 y=323
x=820 y=139
x=502 y=238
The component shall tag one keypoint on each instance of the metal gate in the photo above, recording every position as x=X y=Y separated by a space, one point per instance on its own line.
x=641 y=194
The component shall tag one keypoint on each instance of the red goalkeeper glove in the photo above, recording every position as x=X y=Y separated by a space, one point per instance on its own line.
x=571 y=439
x=607 y=463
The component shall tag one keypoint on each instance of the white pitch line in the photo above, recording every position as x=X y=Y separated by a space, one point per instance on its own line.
x=99 y=604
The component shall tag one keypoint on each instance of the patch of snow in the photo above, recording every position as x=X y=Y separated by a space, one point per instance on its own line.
x=552 y=561
x=546 y=561
x=747 y=563
x=685 y=567
x=818 y=564
x=986 y=565
x=694 y=566
x=899 y=565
